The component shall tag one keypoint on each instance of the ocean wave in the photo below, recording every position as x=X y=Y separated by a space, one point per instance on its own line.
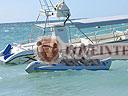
x=1 y=78
x=6 y=30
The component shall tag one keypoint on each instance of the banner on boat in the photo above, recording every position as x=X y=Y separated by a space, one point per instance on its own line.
x=101 y=51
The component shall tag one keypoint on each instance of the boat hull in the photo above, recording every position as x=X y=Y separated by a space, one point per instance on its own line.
x=38 y=66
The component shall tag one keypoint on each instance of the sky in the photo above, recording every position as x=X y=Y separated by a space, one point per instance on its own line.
x=28 y=10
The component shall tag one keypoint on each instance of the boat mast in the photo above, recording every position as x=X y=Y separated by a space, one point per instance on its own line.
x=45 y=10
x=61 y=10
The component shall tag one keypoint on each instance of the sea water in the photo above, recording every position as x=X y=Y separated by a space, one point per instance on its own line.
x=14 y=81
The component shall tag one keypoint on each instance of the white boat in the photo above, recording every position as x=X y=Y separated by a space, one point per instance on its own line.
x=56 y=52
x=17 y=53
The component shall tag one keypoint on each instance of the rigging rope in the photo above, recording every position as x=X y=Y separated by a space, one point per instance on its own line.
x=45 y=25
x=41 y=4
x=80 y=30
x=46 y=3
x=51 y=4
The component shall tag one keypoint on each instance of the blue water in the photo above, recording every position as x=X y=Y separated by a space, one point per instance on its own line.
x=14 y=81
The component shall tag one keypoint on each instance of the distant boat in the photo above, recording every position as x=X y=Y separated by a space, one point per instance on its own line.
x=17 y=54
